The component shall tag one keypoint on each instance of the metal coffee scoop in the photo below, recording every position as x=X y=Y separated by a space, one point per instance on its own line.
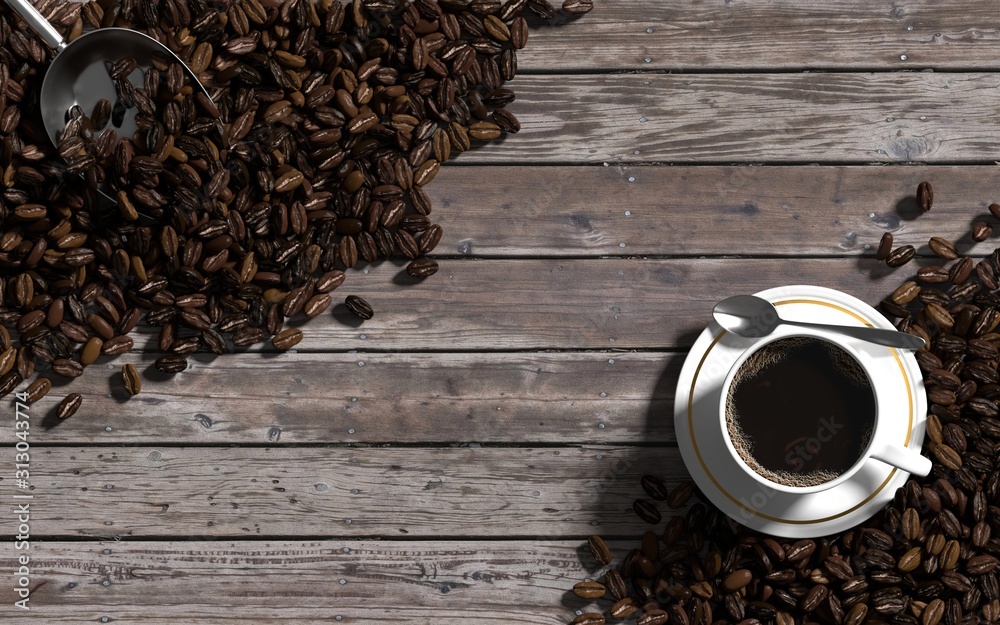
x=78 y=75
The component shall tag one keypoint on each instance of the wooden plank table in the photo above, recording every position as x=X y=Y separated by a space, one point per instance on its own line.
x=443 y=462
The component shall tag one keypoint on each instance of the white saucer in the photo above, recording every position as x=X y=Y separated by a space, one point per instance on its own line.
x=702 y=442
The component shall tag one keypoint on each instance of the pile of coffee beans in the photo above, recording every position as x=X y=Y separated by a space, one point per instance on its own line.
x=236 y=211
x=929 y=557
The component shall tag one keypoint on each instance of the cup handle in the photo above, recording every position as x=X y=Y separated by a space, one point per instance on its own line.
x=904 y=458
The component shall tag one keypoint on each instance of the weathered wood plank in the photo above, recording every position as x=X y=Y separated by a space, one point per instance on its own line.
x=403 y=398
x=739 y=35
x=576 y=304
x=572 y=304
x=617 y=303
x=127 y=492
x=752 y=118
x=432 y=582
x=794 y=210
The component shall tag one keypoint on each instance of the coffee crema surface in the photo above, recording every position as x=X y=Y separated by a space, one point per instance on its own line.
x=800 y=411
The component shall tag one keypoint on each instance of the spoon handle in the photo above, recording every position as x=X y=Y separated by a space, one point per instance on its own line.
x=37 y=22
x=889 y=338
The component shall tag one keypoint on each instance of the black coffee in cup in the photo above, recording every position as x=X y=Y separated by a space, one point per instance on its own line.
x=801 y=411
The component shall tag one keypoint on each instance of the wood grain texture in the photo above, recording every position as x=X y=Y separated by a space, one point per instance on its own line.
x=616 y=303
x=566 y=304
x=743 y=35
x=129 y=492
x=752 y=118
x=571 y=397
x=514 y=211
x=206 y=583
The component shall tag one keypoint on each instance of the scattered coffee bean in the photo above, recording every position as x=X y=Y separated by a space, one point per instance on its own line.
x=589 y=590
x=943 y=248
x=925 y=196
x=930 y=557
x=680 y=495
x=37 y=390
x=359 y=307
x=286 y=339
x=170 y=364
x=623 y=609
x=131 y=379
x=654 y=487
x=900 y=256
x=325 y=123
x=615 y=583
x=646 y=511
x=422 y=267
x=884 y=246
x=69 y=405
x=736 y=580
x=600 y=549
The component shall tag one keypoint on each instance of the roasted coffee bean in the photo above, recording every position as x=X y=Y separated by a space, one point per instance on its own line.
x=117 y=346
x=9 y=381
x=646 y=511
x=600 y=549
x=653 y=617
x=900 y=256
x=589 y=590
x=981 y=231
x=37 y=390
x=925 y=196
x=623 y=608
x=933 y=274
x=131 y=379
x=909 y=560
x=654 y=487
x=961 y=270
x=170 y=364
x=69 y=405
x=67 y=368
x=614 y=582
x=589 y=618
x=856 y=615
x=943 y=248
x=680 y=495
x=981 y=564
x=737 y=580
x=884 y=246
x=359 y=307
x=906 y=293
x=422 y=267
x=287 y=339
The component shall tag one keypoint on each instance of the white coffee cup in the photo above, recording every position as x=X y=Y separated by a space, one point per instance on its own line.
x=882 y=446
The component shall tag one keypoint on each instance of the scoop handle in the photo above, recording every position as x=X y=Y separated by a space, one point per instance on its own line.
x=37 y=22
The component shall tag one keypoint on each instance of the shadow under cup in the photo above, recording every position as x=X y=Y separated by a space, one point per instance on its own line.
x=800 y=412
